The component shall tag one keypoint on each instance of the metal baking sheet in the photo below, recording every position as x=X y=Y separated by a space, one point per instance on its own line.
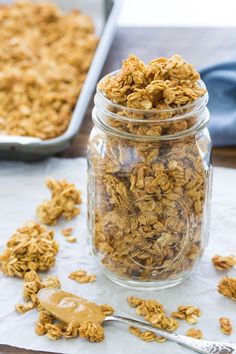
x=104 y=14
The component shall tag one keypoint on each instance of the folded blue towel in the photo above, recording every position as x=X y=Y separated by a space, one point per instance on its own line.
x=221 y=84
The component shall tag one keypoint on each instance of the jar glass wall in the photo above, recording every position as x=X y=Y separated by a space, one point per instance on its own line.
x=149 y=182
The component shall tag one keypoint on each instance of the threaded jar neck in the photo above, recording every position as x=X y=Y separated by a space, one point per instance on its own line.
x=149 y=124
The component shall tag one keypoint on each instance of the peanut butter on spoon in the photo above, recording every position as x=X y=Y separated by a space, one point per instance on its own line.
x=68 y=307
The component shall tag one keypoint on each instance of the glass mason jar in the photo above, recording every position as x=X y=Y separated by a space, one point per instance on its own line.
x=149 y=183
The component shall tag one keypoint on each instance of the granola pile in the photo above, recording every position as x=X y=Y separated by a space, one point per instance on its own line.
x=44 y=67
x=64 y=202
x=31 y=247
x=147 y=215
x=81 y=276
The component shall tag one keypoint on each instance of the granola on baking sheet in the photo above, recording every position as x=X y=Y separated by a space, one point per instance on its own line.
x=31 y=247
x=65 y=198
x=149 y=200
x=45 y=55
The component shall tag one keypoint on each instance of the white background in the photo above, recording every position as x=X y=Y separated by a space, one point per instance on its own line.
x=178 y=13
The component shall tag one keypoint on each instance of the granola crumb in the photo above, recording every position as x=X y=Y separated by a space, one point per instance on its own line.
x=107 y=309
x=31 y=247
x=81 y=276
x=64 y=202
x=71 y=239
x=67 y=232
x=227 y=287
x=194 y=333
x=225 y=325
x=223 y=262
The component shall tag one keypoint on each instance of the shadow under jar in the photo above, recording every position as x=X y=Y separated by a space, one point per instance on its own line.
x=149 y=183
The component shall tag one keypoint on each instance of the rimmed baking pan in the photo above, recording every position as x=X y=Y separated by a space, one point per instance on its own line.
x=104 y=14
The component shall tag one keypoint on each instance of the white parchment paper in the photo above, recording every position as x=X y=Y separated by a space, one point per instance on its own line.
x=22 y=189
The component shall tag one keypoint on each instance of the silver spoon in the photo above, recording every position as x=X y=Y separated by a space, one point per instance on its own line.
x=198 y=345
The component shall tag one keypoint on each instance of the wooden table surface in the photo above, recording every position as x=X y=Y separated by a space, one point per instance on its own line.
x=200 y=46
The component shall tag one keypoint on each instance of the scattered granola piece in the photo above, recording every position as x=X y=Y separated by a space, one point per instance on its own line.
x=40 y=329
x=67 y=232
x=92 y=331
x=82 y=277
x=64 y=200
x=147 y=336
x=31 y=247
x=71 y=239
x=194 y=333
x=107 y=309
x=44 y=68
x=54 y=331
x=188 y=313
x=223 y=262
x=134 y=301
x=227 y=287
x=225 y=325
x=72 y=330
x=24 y=308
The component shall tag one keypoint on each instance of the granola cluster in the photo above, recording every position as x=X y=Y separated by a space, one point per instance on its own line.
x=227 y=287
x=147 y=214
x=53 y=329
x=32 y=284
x=194 y=333
x=225 y=325
x=154 y=313
x=31 y=247
x=44 y=67
x=224 y=262
x=64 y=202
x=68 y=235
x=163 y=83
x=188 y=313
x=81 y=276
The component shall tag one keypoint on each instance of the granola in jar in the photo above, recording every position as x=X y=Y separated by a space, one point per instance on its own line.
x=149 y=172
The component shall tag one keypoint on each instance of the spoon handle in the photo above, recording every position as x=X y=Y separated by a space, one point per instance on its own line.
x=198 y=345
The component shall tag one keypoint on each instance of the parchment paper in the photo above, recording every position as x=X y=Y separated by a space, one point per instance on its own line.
x=22 y=189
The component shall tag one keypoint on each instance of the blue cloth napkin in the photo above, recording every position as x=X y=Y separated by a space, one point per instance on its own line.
x=221 y=84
